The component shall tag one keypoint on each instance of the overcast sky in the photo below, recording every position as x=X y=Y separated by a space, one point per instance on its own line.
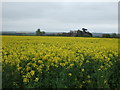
x=60 y=16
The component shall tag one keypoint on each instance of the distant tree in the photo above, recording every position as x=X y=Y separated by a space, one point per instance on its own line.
x=106 y=35
x=84 y=30
x=39 y=33
x=83 y=33
x=43 y=32
x=79 y=33
x=114 y=35
x=89 y=34
x=71 y=33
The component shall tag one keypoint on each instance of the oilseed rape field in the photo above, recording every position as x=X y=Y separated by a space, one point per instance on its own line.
x=60 y=62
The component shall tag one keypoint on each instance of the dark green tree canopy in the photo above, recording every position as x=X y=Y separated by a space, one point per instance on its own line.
x=39 y=33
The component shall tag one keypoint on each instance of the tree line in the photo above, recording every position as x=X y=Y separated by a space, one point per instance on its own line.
x=76 y=33
x=72 y=33
x=114 y=35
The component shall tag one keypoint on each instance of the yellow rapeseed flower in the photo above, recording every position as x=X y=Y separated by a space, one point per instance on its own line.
x=32 y=72
x=36 y=79
x=25 y=80
x=83 y=70
x=70 y=74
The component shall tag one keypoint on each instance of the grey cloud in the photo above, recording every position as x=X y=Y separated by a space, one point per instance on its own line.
x=60 y=16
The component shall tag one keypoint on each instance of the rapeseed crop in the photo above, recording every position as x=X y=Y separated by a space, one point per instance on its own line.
x=60 y=62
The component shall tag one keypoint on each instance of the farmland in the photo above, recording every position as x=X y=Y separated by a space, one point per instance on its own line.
x=59 y=62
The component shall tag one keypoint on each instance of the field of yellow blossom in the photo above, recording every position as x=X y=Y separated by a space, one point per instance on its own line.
x=60 y=62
